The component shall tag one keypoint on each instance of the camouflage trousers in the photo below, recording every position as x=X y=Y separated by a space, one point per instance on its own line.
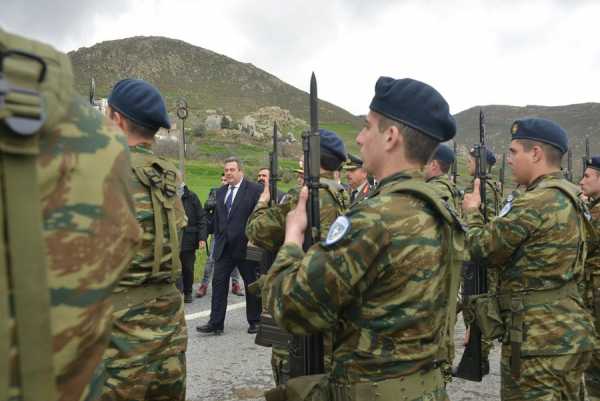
x=544 y=378
x=161 y=380
x=145 y=358
x=592 y=378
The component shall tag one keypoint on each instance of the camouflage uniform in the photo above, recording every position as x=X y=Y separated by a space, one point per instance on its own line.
x=385 y=287
x=448 y=190
x=89 y=234
x=592 y=275
x=537 y=247
x=266 y=229
x=146 y=355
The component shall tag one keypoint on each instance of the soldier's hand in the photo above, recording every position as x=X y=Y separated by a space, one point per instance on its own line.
x=472 y=200
x=265 y=196
x=296 y=220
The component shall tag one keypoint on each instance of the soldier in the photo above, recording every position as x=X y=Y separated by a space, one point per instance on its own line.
x=145 y=359
x=68 y=227
x=266 y=226
x=436 y=173
x=590 y=185
x=386 y=276
x=538 y=246
x=357 y=179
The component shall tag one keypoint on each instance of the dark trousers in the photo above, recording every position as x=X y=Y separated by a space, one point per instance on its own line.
x=188 y=258
x=220 y=287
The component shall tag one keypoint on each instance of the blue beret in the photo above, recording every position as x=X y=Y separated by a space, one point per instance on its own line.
x=490 y=157
x=541 y=130
x=140 y=102
x=444 y=154
x=415 y=104
x=594 y=162
x=332 y=144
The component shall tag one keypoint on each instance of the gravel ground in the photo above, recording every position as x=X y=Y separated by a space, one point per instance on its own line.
x=231 y=367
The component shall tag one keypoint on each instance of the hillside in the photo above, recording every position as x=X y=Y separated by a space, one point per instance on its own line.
x=579 y=120
x=207 y=80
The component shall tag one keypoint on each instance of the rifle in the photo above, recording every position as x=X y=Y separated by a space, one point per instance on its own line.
x=569 y=173
x=306 y=353
x=502 y=175
x=454 y=168
x=273 y=169
x=475 y=274
x=92 y=92
x=586 y=158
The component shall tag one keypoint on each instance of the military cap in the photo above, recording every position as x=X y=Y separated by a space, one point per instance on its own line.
x=541 y=130
x=444 y=154
x=353 y=162
x=490 y=158
x=415 y=104
x=332 y=144
x=594 y=162
x=140 y=102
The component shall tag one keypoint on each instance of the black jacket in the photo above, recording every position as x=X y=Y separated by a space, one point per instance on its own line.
x=196 y=229
x=229 y=231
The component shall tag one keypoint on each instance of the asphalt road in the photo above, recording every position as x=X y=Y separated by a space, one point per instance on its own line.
x=230 y=367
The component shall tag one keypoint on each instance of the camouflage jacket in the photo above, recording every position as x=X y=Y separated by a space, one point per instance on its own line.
x=266 y=226
x=380 y=283
x=140 y=269
x=447 y=189
x=535 y=244
x=89 y=228
x=592 y=263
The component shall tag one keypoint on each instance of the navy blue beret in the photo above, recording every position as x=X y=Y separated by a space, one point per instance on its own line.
x=490 y=157
x=415 y=104
x=444 y=154
x=541 y=130
x=594 y=162
x=140 y=102
x=332 y=144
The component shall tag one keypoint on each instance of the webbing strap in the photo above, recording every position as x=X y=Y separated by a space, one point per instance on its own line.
x=4 y=308
x=30 y=282
x=158 y=230
x=175 y=261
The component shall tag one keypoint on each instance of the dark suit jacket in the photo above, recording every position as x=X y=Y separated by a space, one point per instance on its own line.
x=195 y=230
x=229 y=231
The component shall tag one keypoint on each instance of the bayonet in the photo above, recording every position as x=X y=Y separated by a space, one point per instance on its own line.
x=569 y=174
x=454 y=169
x=93 y=92
x=502 y=174
x=586 y=158
x=273 y=169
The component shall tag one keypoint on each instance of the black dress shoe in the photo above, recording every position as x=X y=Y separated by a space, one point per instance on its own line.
x=209 y=328
x=252 y=329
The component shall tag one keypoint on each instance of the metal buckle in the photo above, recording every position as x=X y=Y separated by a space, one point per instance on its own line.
x=23 y=126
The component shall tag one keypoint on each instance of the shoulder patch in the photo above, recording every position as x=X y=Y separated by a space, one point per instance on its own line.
x=339 y=228
x=507 y=206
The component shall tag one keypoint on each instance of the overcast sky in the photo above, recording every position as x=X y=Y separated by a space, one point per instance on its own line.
x=515 y=52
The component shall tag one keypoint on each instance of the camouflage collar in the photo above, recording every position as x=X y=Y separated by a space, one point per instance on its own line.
x=399 y=176
x=594 y=202
x=141 y=148
x=441 y=177
x=557 y=175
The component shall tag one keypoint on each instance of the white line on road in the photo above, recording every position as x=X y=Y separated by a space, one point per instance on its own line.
x=206 y=313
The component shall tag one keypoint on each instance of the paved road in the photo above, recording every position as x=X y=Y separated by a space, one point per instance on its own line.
x=231 y=367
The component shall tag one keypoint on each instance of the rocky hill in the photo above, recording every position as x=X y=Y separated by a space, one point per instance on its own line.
x=579 y=120
x=207 y=80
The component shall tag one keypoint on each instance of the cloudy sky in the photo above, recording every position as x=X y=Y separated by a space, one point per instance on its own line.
x=516 y=52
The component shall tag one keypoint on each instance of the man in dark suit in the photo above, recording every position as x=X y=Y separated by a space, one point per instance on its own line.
x=235 y=203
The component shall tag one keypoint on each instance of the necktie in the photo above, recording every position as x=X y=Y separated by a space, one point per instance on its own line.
x=229 y=200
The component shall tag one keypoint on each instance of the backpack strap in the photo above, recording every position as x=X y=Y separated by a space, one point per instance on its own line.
x=454 y=237
x=159 y=176
x=32 y=76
